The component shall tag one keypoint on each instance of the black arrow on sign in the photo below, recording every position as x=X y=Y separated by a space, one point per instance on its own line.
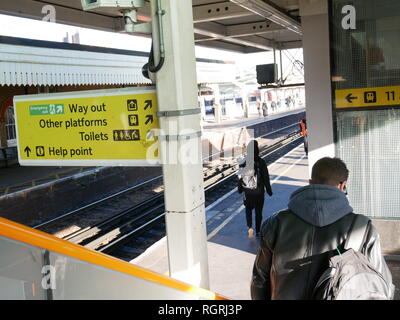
x=27 y=150
x=149 y=104
x=149 y=119
x=350 y=98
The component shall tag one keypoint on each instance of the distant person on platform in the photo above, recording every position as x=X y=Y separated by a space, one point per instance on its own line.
x=303 y=128
x=259 y=108
x=264 y=109
x=253 y=183
x=297 y=244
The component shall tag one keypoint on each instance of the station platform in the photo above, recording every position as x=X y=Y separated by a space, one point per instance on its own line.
x=210 y=124
x=16 y=177
x=231 y=253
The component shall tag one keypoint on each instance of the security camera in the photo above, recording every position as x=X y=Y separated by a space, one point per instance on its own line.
x=111 y=6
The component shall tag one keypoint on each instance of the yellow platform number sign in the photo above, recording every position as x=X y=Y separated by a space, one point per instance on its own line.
x=368 y=97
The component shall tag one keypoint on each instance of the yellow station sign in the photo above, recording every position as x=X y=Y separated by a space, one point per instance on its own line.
x=94 y=128
x=368 y=97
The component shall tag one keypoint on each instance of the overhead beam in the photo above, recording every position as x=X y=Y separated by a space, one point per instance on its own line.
x=284 y=45
x=223 y=46
x=253 y=41
x=218 y=11
x=219 y=32
x=270 y=12
x=291 y=44
x=211 y=29
x=252 y=50
x=255 y=28
x=211 y=12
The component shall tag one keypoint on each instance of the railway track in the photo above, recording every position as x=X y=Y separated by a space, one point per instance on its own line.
x=113 y=232
x=213 y=191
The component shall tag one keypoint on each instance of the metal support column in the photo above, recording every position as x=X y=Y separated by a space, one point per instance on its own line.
x=280 y=62
x=181 y=136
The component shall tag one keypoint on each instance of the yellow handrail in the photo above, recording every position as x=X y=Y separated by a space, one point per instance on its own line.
x=18 y=232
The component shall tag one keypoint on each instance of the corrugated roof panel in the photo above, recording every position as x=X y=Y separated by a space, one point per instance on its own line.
x=21 y=65
x=33 y=65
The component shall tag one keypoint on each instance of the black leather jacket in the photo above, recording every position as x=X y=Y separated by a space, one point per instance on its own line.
x=296 y=244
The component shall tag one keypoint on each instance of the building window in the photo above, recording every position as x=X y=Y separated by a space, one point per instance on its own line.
x=10 y=127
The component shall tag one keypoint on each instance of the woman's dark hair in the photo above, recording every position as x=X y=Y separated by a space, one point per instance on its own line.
x=253 y=145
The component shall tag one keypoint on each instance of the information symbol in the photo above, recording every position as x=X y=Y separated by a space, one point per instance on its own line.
x=132 y=105
x=40 y=151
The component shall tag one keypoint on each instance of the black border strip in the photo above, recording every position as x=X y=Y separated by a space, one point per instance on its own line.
x=67 y=46
x=372 y=108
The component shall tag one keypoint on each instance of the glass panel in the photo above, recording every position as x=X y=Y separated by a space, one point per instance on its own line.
x=27 y=272
x=77 y=279
x=10 y=124
x=20 y=271
x=371 y=151
x=366 y=56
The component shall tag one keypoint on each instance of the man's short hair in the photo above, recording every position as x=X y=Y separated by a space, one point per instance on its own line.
x=331 y=171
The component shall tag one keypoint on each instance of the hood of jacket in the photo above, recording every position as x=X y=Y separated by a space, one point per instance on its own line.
x=319 y=204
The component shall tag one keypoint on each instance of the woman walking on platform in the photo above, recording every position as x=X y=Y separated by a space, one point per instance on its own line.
x=253 y=180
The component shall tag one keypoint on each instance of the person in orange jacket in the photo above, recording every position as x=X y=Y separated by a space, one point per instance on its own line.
x=303 y=128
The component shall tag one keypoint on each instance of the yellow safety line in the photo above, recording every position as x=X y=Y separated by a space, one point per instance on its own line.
x=43 y=240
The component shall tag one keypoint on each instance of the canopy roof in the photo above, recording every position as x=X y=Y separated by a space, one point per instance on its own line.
x=238 y=25
x=36 y=62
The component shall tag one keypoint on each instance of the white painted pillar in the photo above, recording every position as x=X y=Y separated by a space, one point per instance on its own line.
x=183 y=175
x=317 y=76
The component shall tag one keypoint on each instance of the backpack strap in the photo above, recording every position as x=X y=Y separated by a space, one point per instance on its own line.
x=357 y=232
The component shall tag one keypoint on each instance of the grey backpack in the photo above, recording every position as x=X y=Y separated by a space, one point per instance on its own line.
x=350 y=276
x=249 y=182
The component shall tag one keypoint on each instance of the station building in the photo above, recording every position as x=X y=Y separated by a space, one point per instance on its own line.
x=352 y=77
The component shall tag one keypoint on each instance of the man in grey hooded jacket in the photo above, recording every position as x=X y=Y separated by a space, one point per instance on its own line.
x=296 y=243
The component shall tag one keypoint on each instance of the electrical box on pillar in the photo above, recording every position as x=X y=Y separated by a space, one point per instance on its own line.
x=127 y=8
x=111 y=6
